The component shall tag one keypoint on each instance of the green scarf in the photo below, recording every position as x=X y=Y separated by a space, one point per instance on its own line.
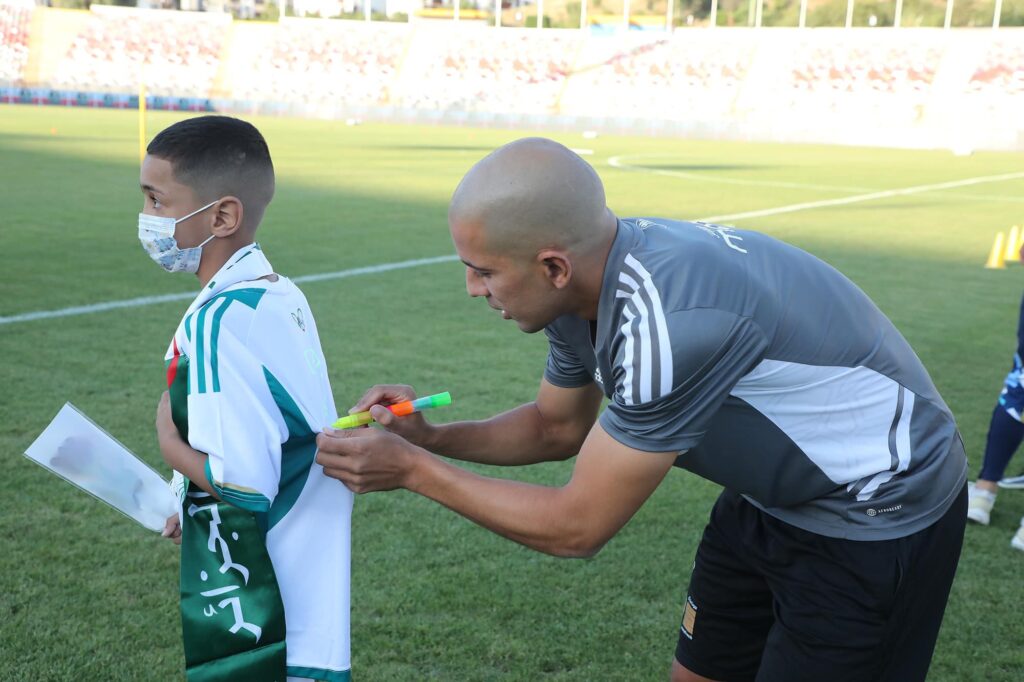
x=232 y=617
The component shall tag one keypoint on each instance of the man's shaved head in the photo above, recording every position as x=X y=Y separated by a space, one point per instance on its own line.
x=532 y=194
x=530 y=222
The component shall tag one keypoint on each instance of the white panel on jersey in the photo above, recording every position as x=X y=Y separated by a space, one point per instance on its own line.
x=652 y=332
x=841 y=417
x=627 y=357
x=902 y=451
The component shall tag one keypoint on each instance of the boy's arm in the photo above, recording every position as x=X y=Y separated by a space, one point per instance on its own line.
x=178 y=454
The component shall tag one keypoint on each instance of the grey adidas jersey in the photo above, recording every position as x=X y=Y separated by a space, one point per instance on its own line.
x=775 y=373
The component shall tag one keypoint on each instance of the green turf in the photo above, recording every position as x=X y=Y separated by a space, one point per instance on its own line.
x=86 y=595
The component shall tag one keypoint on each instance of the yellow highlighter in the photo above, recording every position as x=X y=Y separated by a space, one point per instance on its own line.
x=400 y=409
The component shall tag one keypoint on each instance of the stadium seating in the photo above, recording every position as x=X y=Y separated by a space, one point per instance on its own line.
x=906 y=87
x=175 y=53
x=658 y=76
x=865 y=67
x=1001 y=71
x=15 y=18
x=324 y=61
x=475 y=68
x=872 y=79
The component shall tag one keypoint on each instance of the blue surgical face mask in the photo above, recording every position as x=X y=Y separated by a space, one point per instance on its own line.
x=157 y=236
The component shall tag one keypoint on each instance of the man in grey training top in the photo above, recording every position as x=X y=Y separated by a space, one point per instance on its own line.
x=831 y=551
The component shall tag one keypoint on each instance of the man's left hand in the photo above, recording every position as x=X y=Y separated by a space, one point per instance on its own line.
x=368 y=460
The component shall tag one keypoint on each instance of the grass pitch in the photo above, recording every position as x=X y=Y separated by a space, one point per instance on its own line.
x=86 y=595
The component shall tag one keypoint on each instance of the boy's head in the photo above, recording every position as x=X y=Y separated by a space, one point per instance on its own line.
x=218 y=167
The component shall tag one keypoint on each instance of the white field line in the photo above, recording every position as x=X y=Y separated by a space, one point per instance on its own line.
x=620 y=163
x=871 y=196
x=153 y=300
x=385 y=267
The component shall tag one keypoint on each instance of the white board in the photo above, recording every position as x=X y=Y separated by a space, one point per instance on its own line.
x=83 y=454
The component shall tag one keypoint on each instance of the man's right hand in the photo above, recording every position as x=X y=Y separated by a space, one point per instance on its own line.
x=413 y=427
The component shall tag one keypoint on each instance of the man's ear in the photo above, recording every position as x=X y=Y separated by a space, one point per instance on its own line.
x=227 y=216
x=557 y=267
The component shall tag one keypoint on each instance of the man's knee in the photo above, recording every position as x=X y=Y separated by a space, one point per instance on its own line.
x=681 y=674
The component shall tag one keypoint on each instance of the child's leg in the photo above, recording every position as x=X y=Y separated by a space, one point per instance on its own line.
x=1005 y=431
x=1004 y=437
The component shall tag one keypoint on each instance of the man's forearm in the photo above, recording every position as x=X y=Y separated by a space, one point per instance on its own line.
x=519 y=436
x=532 y=515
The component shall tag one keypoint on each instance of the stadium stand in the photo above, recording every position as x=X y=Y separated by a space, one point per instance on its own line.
x=906 y=87
x=640 y=75
x=857 y=78
x=475 y=68
x=15 y=19
x=864 y=67
x=1001 y=71
x=322 y=61
x=176 y=53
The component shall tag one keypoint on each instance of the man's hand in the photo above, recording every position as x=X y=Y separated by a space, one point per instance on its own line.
x=413 y=427
x=368 y=460
x=172 y=529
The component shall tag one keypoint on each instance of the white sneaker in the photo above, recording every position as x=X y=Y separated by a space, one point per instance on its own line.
x=979 y=505
x=1012 y=483
x=1018 y=539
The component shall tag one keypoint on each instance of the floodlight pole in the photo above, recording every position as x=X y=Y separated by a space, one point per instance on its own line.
x=849 y=13
x=583 y=15
x=899 y=14
x=949 y=14
x=497 y=13
x=669 y=19
x=803 y=13
x=458 y=6
x=714 y=14
x=997 y=14
x=757 y=13
x=367 y=8
x=540 y=13
x=625 y=15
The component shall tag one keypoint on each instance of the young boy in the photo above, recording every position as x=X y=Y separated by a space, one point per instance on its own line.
x=265 y=536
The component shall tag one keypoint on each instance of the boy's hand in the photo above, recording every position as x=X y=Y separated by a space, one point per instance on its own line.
x=165 y=427
x=172 y=529
x=412 y=427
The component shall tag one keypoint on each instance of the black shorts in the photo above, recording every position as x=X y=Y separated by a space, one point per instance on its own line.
x=771 y=602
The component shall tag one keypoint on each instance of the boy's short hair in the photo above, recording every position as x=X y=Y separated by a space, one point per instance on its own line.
x=218 y=156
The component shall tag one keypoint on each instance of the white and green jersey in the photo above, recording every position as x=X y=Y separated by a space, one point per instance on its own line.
x=247 y=356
